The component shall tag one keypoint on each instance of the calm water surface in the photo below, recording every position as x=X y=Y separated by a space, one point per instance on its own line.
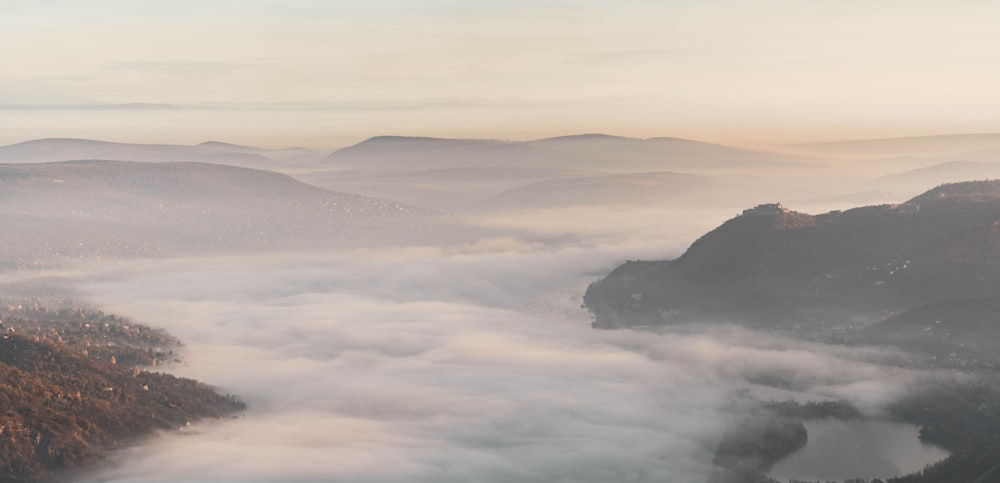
x=838 y=450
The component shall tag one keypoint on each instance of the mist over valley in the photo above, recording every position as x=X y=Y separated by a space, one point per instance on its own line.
x=477 y=241
x=418 y=310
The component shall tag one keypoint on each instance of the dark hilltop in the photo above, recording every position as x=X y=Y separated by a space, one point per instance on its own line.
x=774 y=268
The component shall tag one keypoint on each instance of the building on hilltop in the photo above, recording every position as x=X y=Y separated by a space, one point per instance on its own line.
x=766 y=209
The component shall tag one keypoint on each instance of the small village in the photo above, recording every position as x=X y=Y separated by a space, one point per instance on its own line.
x=105 y=337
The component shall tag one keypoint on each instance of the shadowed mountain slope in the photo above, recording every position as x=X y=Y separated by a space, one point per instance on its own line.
x=962 y=330
x=772 y=267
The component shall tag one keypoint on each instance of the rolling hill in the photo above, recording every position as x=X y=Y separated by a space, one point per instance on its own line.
x=118 y=208
x=50 y=150
x=585 y=152
x=476 y=175
x=454 y=190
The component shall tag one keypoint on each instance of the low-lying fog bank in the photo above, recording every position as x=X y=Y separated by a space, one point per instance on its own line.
x=469 y=363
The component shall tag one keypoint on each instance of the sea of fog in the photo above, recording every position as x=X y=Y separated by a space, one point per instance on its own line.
x=466 y=362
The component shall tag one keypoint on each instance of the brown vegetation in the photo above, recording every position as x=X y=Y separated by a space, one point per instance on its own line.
x=65 y=400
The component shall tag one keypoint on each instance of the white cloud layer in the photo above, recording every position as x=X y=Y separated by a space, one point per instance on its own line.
x=469 y=363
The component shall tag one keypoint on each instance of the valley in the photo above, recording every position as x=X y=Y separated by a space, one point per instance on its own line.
x=273 y=284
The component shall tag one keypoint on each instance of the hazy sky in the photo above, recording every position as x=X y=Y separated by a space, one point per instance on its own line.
x=327 y=72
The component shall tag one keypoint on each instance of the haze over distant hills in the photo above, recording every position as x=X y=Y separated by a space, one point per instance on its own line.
x=489 y=176
x=940 y=145
x=48 y=150
x=469 y=175
x=465 y=175
x=613 y=189
x=586 y=151
x=106 y=208
x=769 y=268
x=986 y=167
x=450 y=189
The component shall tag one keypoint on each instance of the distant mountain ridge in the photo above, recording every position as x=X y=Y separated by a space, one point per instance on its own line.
x=576 y=170
x=773 y=267
x=934 y=145
x=214 y=152
x=585 y=151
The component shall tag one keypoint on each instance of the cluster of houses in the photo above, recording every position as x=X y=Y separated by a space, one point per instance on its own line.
x=766 y=209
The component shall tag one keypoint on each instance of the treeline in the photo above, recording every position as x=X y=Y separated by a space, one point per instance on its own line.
x=815 y=409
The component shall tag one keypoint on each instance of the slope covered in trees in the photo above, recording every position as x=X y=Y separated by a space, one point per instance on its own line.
x=775 y=268
x=65 y=403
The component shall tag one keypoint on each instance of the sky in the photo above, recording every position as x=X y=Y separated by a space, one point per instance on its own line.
x=328 y=73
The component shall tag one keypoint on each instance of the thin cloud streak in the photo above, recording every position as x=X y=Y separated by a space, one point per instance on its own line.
x=191 y=69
